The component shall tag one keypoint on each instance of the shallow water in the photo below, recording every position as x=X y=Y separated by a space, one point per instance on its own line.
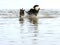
x=45 y=32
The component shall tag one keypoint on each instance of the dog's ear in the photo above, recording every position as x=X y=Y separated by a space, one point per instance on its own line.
x=36 y=7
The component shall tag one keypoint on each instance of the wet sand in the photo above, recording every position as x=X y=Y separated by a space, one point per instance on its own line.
x=45 y=32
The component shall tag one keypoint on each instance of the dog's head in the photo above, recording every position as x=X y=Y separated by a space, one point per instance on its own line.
x=36 y=7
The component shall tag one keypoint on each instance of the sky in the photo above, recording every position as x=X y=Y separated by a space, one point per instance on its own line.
x=27 y=4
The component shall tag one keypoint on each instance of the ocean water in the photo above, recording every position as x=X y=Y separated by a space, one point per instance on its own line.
x=45 y=32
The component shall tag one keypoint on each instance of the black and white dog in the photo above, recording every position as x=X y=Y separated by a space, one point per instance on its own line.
x=32 y=14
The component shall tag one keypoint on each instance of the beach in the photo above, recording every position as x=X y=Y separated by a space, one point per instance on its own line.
x=45 y=32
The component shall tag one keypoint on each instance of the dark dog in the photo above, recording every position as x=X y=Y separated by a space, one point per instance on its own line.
x=34 y=10
x=21 y=14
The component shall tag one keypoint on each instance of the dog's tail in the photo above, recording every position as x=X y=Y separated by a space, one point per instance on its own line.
x=26 y=11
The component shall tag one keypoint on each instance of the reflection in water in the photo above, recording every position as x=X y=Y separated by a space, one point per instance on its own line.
x=21 y=19
x=21 y=22
x=29 y=32
x=45 y=32
x=35 y=32
x=33 y=19
x=21 y=27
x=33 y=29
